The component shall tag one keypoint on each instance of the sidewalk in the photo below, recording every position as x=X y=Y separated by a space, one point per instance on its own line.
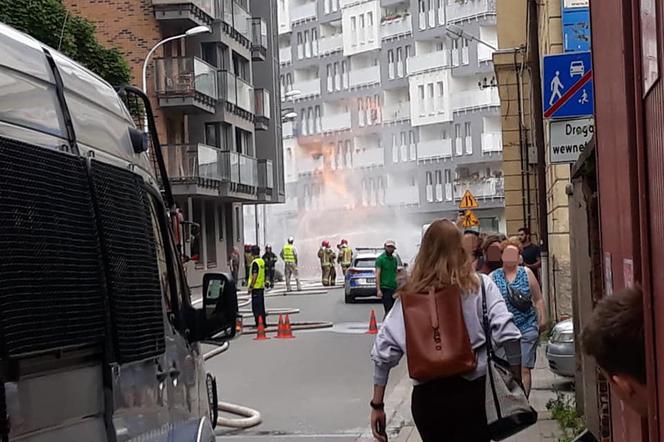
x=546 y=430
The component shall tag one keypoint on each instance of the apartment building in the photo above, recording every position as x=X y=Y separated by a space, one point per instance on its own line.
x=213 y=95
x=395 y=108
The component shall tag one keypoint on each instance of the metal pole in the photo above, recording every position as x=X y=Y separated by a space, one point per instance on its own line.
x=265 y=223
x=538 y=120
x=256 y=221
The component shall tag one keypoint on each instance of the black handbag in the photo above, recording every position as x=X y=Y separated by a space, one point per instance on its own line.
x=518 y=299
x=507 y=408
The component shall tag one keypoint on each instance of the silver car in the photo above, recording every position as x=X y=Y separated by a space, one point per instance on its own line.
x=560 y=350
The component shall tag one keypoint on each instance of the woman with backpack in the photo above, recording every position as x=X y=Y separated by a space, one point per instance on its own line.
x=438 y=322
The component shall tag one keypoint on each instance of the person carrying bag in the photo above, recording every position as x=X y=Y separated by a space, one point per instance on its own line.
x=437 y=321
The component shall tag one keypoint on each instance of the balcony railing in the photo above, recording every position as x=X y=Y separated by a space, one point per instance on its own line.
x=468 y=9
x=308 y=87
x=396 y=112
x=364 y=76
x=310 y=165
x=427 y=62
x=285 y=55
x=327 y=45
x=262 y=103
x=369 y=157
x=204 y=10
x=434 y=149
x=303 y=12
x=185 y=82
x=248 y=170
x=487 y=188
x=402 y=196
x=236 y=91
x=472 y=99
x=335 y=122
x=236 y=16
x=265 y=174
x=191 y=162
x=492 y=142
x=397 y=26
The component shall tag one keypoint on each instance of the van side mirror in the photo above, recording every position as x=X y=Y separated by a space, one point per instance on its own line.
x=137 y=140
x=215 y=321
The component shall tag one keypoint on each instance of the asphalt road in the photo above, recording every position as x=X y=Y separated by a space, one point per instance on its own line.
x=313 y=388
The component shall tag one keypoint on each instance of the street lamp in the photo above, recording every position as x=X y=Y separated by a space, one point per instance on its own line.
x=288 y=116
x=459 y=33
x=193 y=31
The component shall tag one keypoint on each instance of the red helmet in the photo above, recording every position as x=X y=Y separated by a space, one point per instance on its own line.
x=326 y=243
x=344 y=242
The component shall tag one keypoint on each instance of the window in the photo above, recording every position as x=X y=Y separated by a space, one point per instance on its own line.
x=404 y=147
x=328 y=6
x=432 y=15
x=238 y=223
x=212 y=135
x=448 y=185
x=439 y=185
x=422 y=15
x=307 y=45
x=409 y=52
x=349 y=154
x=390 y=64
x=370 y=26
x=469 y=139
x=420 y=90
x=395 y=149
x=441 y=12
x=318 y=122
x=314 y=41
x=430 y=101
x=370 y=111
x=337 y=77
x=429 y=186
x=222 y=224
x=412 y=145
x=458 y=143
x=465 y=56
x=360 y=112
x=300 y=46
x=310 y=121
x=363 y=36
x=400 y=67
x=441 y=100
x=330 y=78
x=345 y=80
x=289 y=82
x=353 y=31
x=303 y=122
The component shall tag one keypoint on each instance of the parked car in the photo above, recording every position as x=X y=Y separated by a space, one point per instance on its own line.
x=560 y=350
x=360 y=281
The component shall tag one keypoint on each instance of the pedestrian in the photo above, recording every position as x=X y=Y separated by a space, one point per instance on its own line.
x=256 y=285
x=234 y=263
x=473 y=246
x=449 y=408
x=270 y=259
x=492 y=253
x=614 y=336
x=248 y=258
x=386 y=275
x=345 y=256
x=532 y=254
x=289 y=255
x=524 y=300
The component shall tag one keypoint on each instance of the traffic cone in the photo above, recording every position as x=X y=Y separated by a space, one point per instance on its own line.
x=373 y=327
x=260 y=334
x=281 y=330
x=238 y=325
x=288 y=331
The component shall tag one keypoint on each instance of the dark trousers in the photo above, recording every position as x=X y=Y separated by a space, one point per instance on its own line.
x=450 y=410
x=388 y=299
x=269 y=273
x=258 y=305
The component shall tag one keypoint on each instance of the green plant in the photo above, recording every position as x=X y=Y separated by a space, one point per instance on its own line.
x=563 y=410
x=44 y=20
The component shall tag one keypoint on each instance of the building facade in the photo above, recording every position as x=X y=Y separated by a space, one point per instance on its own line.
x=213 y=96
x=396 y=114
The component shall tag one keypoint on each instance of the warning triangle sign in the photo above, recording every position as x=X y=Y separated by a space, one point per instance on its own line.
x=468 y=201
x=470 y=220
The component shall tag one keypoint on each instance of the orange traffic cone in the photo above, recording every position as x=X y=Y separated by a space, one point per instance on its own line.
x=288 y=331
x=238 y=325
x=260 y=334
x=373 y=327
x=281 y=329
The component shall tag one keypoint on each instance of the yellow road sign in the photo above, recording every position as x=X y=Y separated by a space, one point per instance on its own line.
x=469 y=219
x=468 y=201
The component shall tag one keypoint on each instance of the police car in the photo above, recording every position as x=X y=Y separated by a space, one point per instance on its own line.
x=360 y=280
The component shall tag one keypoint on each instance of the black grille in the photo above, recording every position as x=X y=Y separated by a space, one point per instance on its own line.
x=51 y=292
x=132 y=273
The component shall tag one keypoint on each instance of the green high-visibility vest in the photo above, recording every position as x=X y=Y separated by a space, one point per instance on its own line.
x=259 y=283
x=289 y=253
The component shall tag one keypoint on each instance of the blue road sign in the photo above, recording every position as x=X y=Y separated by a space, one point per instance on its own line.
x=568 y=85
x=576 y=29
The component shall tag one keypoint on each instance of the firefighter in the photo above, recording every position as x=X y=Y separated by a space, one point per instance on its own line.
x=331 y=258
x=345 y=256
x=270 y=263
x=324 y=267
x=256 y=285
x=289 y=255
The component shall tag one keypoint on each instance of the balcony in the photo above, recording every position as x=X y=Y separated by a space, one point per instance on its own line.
x=236 y=17
x=469 y=9
x=186 y=83
x=185 y=14
x=258 y=39
x=328 y=45
x=285 y=55
x=236 y=91
x=396 y=112
x=303 y=12
x=492 y=142
x=402 y=196
x=336 y=122
x=428 y=150
x=364 y=76
x=262 y=109
x=265 y=174
x=308 y=166
x=390 y=28
x=486 y=189
x=475 y=99
x=428 y=62
x=371 y=157
x=308 y=88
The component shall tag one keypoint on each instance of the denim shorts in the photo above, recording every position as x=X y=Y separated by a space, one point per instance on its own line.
x=529 y=341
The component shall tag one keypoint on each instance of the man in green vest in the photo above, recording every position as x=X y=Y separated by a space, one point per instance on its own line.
x=289 y=255
x=256 y=285
x=345 y=256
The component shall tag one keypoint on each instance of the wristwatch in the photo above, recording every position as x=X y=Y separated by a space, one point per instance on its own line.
x=379 y=407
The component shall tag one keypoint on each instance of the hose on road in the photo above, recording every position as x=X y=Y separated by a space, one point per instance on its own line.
x=250 y=418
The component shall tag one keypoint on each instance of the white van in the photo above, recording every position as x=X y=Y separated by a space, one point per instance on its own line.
x=99 y=340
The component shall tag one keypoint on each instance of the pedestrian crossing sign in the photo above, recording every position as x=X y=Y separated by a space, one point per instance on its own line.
x=468 y=201
x=470 y=220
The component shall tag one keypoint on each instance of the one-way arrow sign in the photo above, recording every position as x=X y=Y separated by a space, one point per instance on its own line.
x=568 y=85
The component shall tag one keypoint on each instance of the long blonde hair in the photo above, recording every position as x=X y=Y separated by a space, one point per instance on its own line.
x=442 y=261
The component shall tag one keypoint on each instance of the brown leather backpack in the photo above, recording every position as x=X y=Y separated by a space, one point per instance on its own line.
x=437 y=341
